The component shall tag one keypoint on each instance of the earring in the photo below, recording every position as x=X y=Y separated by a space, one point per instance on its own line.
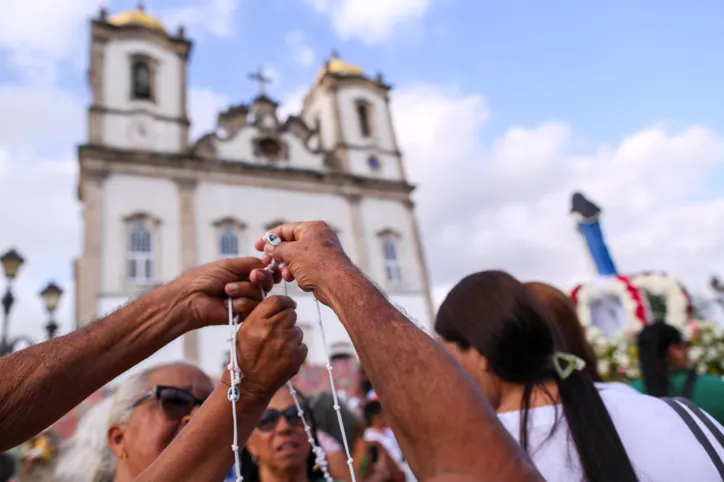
x=124 y=456
x=254 y=460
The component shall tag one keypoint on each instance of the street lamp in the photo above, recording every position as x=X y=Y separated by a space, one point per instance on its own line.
x=11 y=261
x=51 y=297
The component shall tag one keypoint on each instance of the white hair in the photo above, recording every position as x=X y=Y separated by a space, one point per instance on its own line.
x=86 y=456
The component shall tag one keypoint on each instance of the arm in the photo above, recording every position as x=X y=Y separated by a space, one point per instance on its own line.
x=418 y=396
x=270 y=352
x=42 y=383
x=443 y=423
x=203 y=449
x=47 y=380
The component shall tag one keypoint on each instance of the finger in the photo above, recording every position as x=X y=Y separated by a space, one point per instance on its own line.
x=243 y=289
x=285 y=231
x=300 y=355
x=244 y=306
x=286 y=274
x=284 y=320
x=239 y=268
x=262 y=278
x=294 y=339
x=274 y=305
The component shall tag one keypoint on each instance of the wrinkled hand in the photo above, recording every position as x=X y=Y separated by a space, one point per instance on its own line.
x=310 y=251
x=200 y=291
x=269 y=347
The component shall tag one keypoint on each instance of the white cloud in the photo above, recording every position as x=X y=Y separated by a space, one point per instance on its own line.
x=37 y=35
x=371 y=21
x=291 y=103
x=301 y=51
x=216 y=17
x=506 y=206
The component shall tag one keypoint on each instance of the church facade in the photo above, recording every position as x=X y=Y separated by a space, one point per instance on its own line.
x=156 y=204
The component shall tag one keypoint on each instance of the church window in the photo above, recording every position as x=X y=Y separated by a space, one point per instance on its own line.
x=229 y=237
x=141 y=79
x=363 y=117
x=374 y=163
x=390 y=255
x=139 y=267
x=229 y=243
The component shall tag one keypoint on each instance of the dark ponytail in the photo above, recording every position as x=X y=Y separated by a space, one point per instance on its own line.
x=654 y=342
x=494 y=314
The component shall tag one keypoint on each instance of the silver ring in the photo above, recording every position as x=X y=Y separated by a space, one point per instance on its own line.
x=272 y=239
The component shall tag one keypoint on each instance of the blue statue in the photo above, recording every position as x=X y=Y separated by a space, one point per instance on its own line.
x=587 y=216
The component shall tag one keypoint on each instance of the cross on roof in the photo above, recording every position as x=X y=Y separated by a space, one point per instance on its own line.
x=260 y=79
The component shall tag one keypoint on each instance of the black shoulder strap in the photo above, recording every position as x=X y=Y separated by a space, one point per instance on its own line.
x=718 y=435
x=699 y=434
x=688 y=389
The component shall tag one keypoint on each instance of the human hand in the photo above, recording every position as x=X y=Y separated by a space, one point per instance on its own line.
x=269 y=347
x=200 y=292
x=311 y=253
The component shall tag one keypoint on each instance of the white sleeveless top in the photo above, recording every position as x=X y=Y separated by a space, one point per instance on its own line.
x=659 y=444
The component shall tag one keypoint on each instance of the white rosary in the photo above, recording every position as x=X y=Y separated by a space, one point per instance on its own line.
x=235 y=372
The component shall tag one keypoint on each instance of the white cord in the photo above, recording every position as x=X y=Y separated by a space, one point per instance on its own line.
x=337 y=408
x=233 y=393
x=320 y=458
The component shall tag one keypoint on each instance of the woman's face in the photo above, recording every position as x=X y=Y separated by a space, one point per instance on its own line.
x=278 y=443
x=154 y=423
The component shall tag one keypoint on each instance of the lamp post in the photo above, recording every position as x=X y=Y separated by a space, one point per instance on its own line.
x=51 y=297
x=11 y=261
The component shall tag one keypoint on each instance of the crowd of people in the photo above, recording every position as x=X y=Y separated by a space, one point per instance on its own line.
x=507 y=390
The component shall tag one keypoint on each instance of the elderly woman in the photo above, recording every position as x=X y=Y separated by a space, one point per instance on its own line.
x=278 y=449
x=120 y=437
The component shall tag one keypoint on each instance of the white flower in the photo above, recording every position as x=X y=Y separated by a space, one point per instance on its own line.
x=696 y=352
x=604 y=367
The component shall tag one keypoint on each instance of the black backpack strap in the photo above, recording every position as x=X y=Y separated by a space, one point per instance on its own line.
x=699 y=413
x=698 y=433
x=688 y=389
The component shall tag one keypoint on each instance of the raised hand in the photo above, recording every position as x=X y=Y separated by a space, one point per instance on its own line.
x=200 y=291
x=311 y=253
x=269 y=347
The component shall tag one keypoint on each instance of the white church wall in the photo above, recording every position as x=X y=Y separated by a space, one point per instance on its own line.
x=379 y=215
x=381 y=129
x=257 y=207
x=125 y=196
x=240 y=148
x=162 y=136
x=117 y=78
x=322 y=107
x=359 y=163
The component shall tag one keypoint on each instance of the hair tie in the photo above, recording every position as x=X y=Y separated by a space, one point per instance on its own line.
x=573 y=363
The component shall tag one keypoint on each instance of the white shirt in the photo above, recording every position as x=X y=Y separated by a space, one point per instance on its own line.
x=659 y=444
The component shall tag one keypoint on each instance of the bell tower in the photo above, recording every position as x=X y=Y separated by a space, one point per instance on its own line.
x=138 y=84
x=351 y=112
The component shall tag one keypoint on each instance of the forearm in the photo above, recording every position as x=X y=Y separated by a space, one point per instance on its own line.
x=202 y=451
x=419 y=395
x=42 y=383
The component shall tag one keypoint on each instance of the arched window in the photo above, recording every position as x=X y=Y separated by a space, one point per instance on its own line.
x=229 y=243
x=393 y=270
x=139 y=259
x=141 y=79
x=363 y=117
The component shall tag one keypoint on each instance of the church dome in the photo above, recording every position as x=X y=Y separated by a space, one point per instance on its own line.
x=136 y=18
x=338 y=67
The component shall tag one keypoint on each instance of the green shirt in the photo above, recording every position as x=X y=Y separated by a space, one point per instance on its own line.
x=708 y=392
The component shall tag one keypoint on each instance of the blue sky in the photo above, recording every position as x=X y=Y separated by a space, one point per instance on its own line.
x=502 y=109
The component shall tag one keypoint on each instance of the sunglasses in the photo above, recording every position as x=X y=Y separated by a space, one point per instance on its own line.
x=271 y=416
x=175 y=402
